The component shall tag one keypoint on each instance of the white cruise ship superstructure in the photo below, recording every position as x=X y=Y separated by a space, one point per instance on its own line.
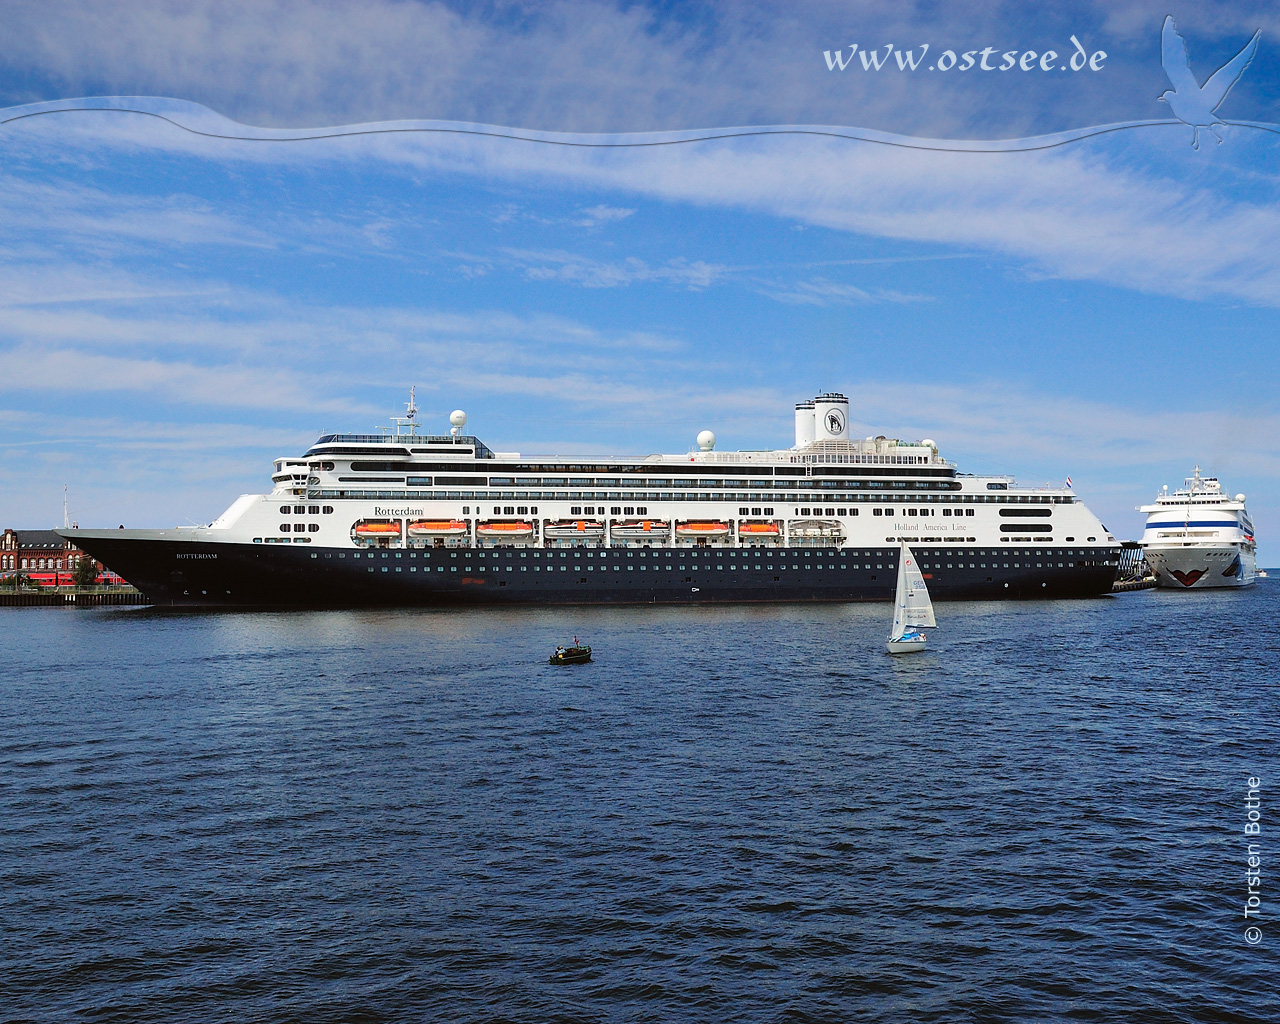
x=404 y=518
x=1199 y=536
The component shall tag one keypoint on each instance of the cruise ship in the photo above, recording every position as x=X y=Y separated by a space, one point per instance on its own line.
x=409 y=518
x=1200 y=537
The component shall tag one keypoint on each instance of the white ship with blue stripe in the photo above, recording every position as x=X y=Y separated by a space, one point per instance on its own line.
x=1199 y=537
x=407 y=518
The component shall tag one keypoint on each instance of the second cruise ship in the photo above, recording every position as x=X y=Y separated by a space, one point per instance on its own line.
x=1199 y=536
x=408 y=518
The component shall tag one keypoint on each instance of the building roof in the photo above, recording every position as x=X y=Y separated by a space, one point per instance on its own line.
x=39 y=539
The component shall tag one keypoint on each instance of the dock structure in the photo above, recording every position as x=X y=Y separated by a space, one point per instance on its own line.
x=71 y=597
x=1133 y=573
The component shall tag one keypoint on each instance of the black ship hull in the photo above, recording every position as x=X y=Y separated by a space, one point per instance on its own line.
x=201 y=574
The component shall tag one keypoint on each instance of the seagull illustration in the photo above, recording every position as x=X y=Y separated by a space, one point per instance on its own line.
x=1191 y=102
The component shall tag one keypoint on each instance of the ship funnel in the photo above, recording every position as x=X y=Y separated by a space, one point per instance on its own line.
x=831 y=417
x=804 y=424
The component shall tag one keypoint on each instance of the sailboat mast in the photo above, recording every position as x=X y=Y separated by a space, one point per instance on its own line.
x=900 y=595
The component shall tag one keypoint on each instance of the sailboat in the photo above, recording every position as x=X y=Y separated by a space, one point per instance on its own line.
x=911 y=607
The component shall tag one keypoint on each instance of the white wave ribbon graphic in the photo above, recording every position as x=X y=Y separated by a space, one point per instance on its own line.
x=205 y=122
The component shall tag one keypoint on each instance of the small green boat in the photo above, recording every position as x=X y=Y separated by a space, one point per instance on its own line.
x=570 y=655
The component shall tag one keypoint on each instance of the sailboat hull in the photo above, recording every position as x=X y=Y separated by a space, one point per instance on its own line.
x=904 y=646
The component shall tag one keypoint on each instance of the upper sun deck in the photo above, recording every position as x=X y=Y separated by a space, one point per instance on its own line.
x=401 y=444
x=1196 y=490
x=405 y=442
x=850 y=454
x=823 y=449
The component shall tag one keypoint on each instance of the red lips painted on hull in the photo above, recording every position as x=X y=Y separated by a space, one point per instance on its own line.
x=1187 y=579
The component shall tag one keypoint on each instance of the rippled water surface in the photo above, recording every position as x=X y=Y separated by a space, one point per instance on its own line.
x=734 y=814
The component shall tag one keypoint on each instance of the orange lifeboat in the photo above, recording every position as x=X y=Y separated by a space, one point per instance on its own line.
x=759 y=528
x=573 y=529
x=640 y=529
x=375 y=529
x=702 y=528
x=437 y=528
x=507 y=529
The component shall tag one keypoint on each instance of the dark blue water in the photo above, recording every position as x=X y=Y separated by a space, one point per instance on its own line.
x=734 y=814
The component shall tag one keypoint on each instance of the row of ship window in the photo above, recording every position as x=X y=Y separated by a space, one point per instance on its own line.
x=576 y=472
x=734 y=566
x=618 y=568
x=401 y=495
x=479 y=477
x=661 y=554
x=695 y=484
x=616 y=510
x=639 y=510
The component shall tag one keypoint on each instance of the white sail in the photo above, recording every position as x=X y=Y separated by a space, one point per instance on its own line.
x=911 y=606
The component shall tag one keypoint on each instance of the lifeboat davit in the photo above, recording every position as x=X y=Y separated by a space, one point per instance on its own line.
x=437 y=528
x=376 y=530
x=574 y=529
x=759 y=528
x=815 y=528
x=640 y=529
x=505 y=528
x=702 y=528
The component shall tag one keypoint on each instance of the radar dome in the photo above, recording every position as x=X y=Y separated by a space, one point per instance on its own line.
x=1239 y=497
x=458 y=418
x=929 y=442
x=706 y=440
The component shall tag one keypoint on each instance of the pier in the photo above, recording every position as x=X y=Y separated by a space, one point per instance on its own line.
x=1133 y=572
x=72 y=597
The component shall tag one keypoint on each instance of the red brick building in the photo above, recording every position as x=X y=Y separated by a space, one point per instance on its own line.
x=37 y=551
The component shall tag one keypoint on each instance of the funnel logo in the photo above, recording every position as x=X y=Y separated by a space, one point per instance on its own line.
x=835 y=423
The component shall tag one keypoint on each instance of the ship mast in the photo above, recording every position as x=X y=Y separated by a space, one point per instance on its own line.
x=408 y=424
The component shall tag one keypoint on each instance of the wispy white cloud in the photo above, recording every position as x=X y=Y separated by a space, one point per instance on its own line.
x=1143 y=212
x=171 y=381
x=594 y=216
x=1131 y=215
x=553 y=265
x=820 y=291
x=106 y=223
x=326 y=360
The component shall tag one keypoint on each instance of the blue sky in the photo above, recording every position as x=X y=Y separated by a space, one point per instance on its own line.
x=175 y=311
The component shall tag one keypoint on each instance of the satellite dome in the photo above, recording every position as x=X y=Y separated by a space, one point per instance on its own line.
x=929 y=442
x=706 y=440
x=1239 y=497
x=458 y=418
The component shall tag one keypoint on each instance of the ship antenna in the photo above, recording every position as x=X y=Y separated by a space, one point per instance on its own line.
x=66 y=519
x=409 y=421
